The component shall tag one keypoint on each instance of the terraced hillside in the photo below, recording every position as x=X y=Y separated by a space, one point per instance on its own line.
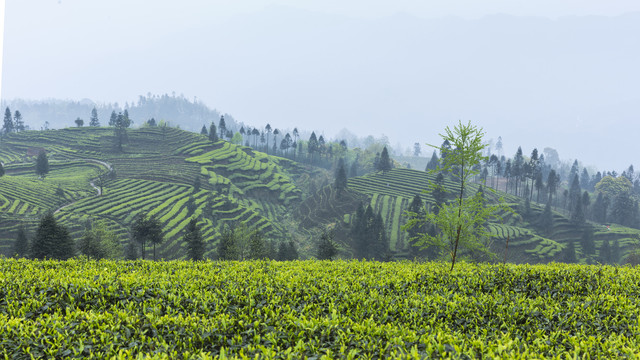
x=391 y=192
x=168 y=172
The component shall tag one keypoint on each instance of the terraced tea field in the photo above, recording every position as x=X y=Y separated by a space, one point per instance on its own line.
x=154 y=174
x=390 y=193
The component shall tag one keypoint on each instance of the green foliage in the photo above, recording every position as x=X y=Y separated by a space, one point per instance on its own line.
x=52 y=241
x=341 y=177
x=21 y=246
x=194 y=241
x=384 y=164
x=463 y=221
x=42 y=164
x=147 y=229
x=264 y=309
x=612 y=187
x=327 y=248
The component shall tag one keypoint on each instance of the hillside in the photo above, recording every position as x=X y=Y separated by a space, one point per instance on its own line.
x=157 y=173
x=175 y=174
x=391 y=193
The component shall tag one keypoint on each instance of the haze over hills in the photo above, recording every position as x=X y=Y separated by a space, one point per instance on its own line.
x=567 y=83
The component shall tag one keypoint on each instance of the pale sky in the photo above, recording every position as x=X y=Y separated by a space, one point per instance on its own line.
x=404 y=68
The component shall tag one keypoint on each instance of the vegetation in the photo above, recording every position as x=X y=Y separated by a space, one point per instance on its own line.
x=302 y=309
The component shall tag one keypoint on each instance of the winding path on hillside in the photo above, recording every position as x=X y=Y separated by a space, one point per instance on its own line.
x=91 y=182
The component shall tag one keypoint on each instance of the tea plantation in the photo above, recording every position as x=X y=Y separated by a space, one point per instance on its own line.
x=314 y=309
x=167 y=172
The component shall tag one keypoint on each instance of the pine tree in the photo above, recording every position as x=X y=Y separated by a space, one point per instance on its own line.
x=213 y=135
x=257 y=246
x=42 y=164
x=222 y=126
x=204 y=131
x=79 y=122
x=194 y=241
x=439 y=192
x=570 y=253
x=8 y=125
x=341 y=177
x=416 y=149
x=380 y=239
x=17 y=121
x=545 y=221
x=227 y=248
x=384 y=164
x=21 y=246
x=433 y=162
x=415 y=211
x=93 y=121
x=327 y=248
x=358 y=233
x=52 y=241
x=113 y=118
x=588 y=245
x=577 y=213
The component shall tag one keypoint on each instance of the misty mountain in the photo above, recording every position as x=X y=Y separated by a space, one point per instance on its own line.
x=175 y=110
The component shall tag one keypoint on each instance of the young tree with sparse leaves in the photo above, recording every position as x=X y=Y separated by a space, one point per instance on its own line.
x=461 y=223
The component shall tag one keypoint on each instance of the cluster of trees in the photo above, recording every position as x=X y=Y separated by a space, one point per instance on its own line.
x=368 y=235
x=12 y=123
x=241 y=243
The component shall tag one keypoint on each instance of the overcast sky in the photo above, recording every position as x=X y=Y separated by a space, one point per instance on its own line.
x=561 y=74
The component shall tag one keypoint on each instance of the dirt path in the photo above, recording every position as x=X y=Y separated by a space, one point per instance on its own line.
x=98 y=190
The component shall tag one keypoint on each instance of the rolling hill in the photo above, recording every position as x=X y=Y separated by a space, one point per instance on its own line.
x=167 y=172
x=175 y=174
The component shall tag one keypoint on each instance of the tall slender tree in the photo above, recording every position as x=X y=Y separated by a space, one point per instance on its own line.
x=21 y=246
x=194 y=241
x=42 y=164
x=94 y=121
x=18 y=122
x=384 y=164
x=222 y=126
x=7 y=126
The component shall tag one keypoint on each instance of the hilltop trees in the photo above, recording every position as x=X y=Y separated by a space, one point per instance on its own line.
x=384 y=164
x=7 y=126
x=94 y=121
x=120 y=123
x=52 y=241
x=79 y=122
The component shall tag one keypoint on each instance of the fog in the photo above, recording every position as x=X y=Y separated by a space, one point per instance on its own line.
x=559 y=74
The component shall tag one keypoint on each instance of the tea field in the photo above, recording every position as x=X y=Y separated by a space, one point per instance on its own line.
x=167 y=172
x=315 y=309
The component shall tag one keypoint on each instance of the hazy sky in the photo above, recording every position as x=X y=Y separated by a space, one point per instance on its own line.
x=404 y=68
